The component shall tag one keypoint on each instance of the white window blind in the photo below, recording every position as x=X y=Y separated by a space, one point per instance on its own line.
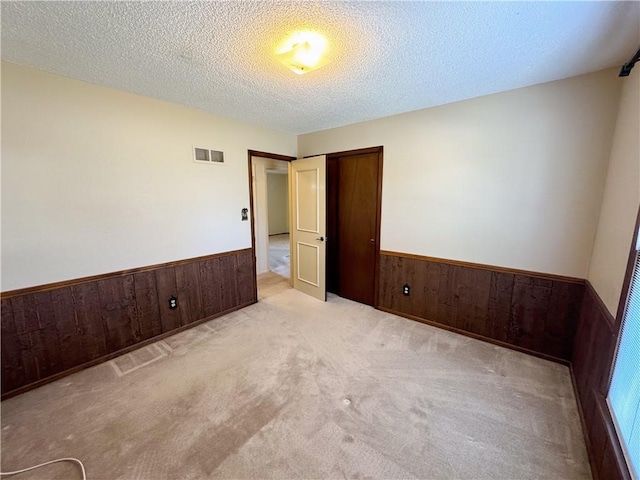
x=624 y=392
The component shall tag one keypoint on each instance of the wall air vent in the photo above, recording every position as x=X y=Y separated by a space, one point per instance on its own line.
x=205 y=155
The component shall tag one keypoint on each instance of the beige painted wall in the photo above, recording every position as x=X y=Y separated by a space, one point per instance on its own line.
x=513 y=179
x=621 y=198
x=96 y=180
x=278 y=199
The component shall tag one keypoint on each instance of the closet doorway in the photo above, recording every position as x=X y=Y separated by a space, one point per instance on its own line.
x=354 y=202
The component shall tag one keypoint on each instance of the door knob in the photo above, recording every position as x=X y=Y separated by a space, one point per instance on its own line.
x=372 y=240
x=321 y=239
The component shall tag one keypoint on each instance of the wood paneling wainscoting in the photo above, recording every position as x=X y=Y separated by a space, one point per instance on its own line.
x=54 y=330
x=594 y=349
x=527 y=311
x=558 y=318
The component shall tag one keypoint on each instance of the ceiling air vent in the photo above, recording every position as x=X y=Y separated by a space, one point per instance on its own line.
x=205 y=155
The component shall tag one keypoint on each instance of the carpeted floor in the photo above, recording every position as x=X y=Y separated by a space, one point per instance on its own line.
x=294 y=388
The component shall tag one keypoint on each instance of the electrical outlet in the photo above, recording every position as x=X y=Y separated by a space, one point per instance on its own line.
x=173 y=303
x=405 y=289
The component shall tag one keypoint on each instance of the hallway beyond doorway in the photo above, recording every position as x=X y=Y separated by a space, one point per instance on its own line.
x=279 y=254
x=276 y=279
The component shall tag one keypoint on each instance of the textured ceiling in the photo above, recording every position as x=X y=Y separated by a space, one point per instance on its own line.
x=385 y=57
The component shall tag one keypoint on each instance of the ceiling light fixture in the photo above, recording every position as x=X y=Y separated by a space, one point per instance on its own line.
x=303 y=52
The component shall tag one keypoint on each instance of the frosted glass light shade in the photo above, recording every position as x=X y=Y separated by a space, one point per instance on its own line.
x=303 y=52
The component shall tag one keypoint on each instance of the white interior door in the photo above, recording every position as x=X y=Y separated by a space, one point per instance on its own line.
x=309 y=222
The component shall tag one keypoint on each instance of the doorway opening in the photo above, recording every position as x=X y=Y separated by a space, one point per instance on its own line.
x=269 y=185
x=278 y=220
x=331 y=223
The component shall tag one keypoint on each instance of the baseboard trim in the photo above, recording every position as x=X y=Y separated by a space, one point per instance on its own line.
x=476 y=336
x=123 y=351
x=583 y=423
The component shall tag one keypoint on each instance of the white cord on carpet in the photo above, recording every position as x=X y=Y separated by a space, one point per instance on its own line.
x=84 y=474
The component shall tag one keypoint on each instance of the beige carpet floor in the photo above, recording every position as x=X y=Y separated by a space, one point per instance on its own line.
x=294 y=388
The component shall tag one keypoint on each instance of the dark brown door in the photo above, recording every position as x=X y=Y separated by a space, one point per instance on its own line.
x=353 y=217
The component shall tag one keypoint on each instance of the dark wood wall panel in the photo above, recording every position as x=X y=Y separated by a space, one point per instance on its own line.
x=165 y=282
x=229 y=270
x=210 y=275
x=88 y=319
x=57 y=329
x=13 y=370
x=499 y=306
x=68 y=333
x=119 y=312
x=146 y=289
x=528 y=311
x=189 y=293
x=37 y=335
x=246 y=278
x=594 y=349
